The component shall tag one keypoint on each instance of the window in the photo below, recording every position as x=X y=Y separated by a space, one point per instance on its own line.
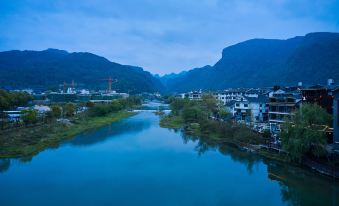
x=245 y=105
x=237 y=105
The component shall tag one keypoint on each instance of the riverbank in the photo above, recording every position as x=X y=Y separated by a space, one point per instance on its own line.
x=240 y=138
x=32 y=140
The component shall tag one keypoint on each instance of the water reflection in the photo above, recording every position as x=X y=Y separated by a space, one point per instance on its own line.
x=299 y=186
x=134 y=125
x=142 y=159
x=4 y=165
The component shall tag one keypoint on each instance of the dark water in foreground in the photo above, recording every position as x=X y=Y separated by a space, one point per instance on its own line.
x=135 y=162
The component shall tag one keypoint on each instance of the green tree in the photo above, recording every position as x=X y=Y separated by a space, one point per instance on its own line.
x=13 y=99
x=177 y=105
x=29 y=116
x=89 y=104
x=193 y=115
x=210 y=103
x=304 y=134
x=223 y=113
x=56 y=111
x=69 y=109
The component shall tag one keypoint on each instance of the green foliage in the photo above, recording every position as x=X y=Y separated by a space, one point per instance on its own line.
x=130 y=102
x=114 y=106
x=89 y=104
x=223 y=113
x=171 y=121
x=193 y=115
x=56 y=111
x=209 y=103
x=13 y=99
x=177 y=105
x=29 y=116
x=69 y=109
x=304 y=135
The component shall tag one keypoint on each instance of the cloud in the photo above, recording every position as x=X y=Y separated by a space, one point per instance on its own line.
x=161 y=36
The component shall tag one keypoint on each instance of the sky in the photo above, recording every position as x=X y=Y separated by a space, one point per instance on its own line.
x=162 y=36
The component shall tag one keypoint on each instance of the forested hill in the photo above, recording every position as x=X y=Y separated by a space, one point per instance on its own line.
x=52 y=67
x=265 y=62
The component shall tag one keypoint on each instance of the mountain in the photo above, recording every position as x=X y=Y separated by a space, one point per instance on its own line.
x=169 y=77
x=52 y=67
x=265 y=62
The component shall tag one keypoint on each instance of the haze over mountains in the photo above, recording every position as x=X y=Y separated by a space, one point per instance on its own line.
x=254 y=63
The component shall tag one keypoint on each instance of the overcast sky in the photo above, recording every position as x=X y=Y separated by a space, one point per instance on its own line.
x=162 y=36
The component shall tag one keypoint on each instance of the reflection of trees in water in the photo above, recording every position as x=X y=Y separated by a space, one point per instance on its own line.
x=4 y=165
x=110 y=131
x=298 y=186
x=303 y=187
x=246 y=158
x=205 y=144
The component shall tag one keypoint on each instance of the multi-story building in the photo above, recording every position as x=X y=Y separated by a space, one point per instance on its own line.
x=250 y=109
x=230 y=94
x=336 y=119
x=321 y=95
x=282 y=105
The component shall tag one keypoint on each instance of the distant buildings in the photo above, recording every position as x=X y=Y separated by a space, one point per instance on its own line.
x=336 y=118
x=273 y=106
x=193 y=95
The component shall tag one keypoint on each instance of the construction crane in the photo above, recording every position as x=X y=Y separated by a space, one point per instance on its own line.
x=110 y=81
x=68 y=85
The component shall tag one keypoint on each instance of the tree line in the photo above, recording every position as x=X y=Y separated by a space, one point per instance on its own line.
x=10 y=100
x=303 y=135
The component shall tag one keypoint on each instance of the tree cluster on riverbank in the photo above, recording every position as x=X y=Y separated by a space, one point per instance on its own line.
x=199 y=118
x=303 y=135
x=36 y=136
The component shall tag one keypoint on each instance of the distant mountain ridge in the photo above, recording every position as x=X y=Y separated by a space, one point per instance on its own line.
x=312 y=58
x=51 y=67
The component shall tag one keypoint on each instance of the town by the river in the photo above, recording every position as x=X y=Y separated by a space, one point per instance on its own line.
x=136 y=162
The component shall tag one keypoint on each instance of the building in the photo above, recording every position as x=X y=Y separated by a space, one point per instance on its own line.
x=230 y=94
x=282 y=105
x=193 y=95
x=41 y=109
x=11 y=116
x=251 y=109
x=321 y=95
x=336 y=118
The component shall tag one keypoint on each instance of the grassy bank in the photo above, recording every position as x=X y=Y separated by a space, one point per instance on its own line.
x=32 y=140
x=170 y=121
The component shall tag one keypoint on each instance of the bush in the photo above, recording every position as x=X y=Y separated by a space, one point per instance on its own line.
x=29 y=116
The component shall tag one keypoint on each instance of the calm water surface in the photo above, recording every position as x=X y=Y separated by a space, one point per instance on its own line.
x=135 y=162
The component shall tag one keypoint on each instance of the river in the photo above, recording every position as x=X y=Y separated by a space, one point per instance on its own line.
x=135 y=162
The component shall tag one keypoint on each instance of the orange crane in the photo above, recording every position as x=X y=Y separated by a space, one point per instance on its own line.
x=67 y=85
x=110 y=81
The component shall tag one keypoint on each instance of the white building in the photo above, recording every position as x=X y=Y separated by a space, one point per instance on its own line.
x=193 y=95
x=253 y=109
x=41 y=109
